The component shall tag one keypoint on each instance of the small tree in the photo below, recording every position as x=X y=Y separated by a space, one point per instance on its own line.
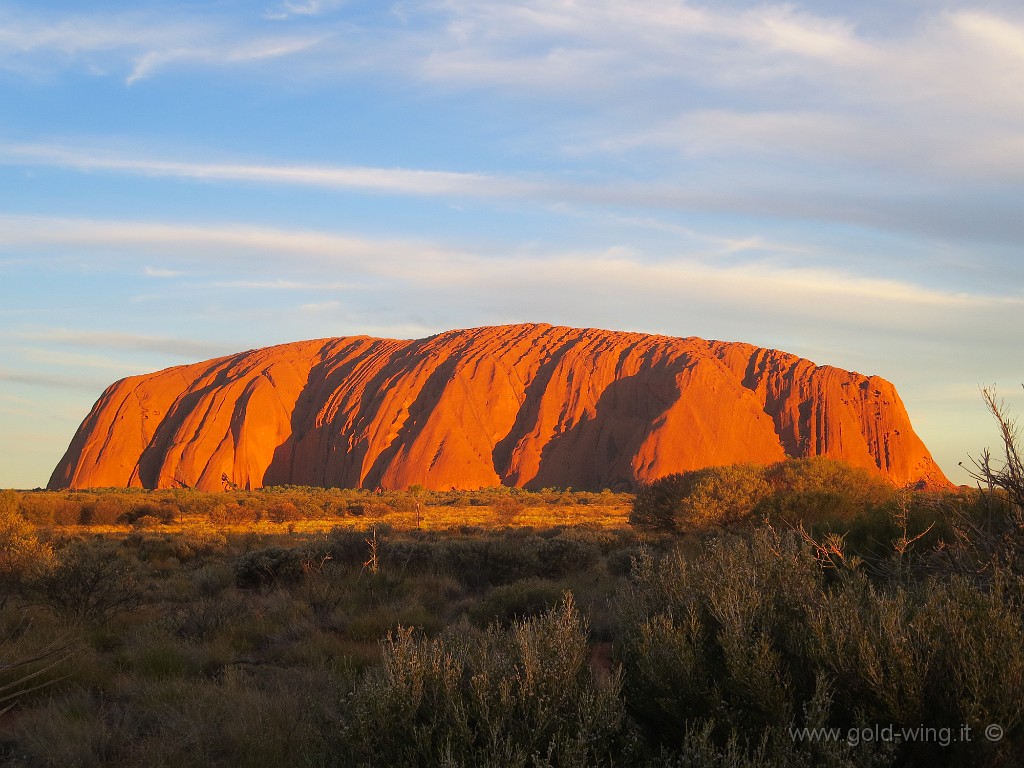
x=654 y=505
x=1007 y=473
x=91 y=582
x=995 y=538
x=507 y=509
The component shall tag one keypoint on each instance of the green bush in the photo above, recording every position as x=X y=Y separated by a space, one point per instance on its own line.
x=504 y=604
x=162 y=514
x=822 y=490
x=565 y=554
x=700 y=499
x=268 y=567
x=479 y=563
x=655 y=503
x=815 y=492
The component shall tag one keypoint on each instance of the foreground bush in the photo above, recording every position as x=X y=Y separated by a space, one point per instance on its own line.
x=753 y=643
x=523 y=696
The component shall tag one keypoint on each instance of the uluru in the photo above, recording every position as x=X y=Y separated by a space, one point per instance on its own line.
x=523 y=405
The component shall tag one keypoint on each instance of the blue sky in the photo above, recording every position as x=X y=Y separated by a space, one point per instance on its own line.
x=179 y=180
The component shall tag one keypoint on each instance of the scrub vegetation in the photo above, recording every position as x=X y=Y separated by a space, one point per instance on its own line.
x=803 y=614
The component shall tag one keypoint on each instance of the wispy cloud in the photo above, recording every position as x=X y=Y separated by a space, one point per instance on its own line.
x=940 y=98
x=322 y=306
x=162 y=273
x=390 y=180
x=247 y=52
x=288 y=10
x=551 y=45
x=136 y=44
x=286 y=285
x=732 y=188
x=46 y=380
x=116 y=340
x=402 y=263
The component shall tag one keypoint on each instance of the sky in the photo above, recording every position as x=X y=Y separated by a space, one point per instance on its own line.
x=842 y=180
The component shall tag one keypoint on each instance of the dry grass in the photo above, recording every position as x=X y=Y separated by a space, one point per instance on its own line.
x=432 y=518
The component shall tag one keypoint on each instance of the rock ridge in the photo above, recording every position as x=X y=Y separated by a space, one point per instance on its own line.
x=529 y=405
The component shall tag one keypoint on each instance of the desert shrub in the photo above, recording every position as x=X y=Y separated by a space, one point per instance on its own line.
x=409 y=555
x=911 y=523
x=620 y=561
x=403 y=501
x=654 y=505
x=199 y=503
x=160 y=514
x=374 y=509
x=90 y=582
x=700 y=499
x=282 y=512
x=348 y=547
x=753 y=638
x=49 y=508
x=268 y=566
x=518 y=600
x=822 y=490
x=565 y=554
x=505 y=697
x=106 y=509
x=722 y=495
x=507 y=509
x=204 y=617
x=151 y=547
x=22 y=553
x=239 y=719
x=10 y=503
x=709 y=640
x=279 y=565
x=212 y=579
x=814 y=491
x=230 y=513
x=480 y=563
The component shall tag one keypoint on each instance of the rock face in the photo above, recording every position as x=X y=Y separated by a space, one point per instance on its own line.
x=524 y=405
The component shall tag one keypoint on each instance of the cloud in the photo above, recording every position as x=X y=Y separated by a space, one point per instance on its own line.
x=45 y=380
x=935 y=211
x=184 y=348
x=162 y=273
x=395 y=263
x=322 y=306
x=385 y=180
x=285 y=285
x=246 y=52
x=554 y=46
x=939 y=98
x=307 y=8
x=753 y=109
x=136 y=44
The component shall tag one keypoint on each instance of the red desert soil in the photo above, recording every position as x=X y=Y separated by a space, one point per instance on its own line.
x=525 y=405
